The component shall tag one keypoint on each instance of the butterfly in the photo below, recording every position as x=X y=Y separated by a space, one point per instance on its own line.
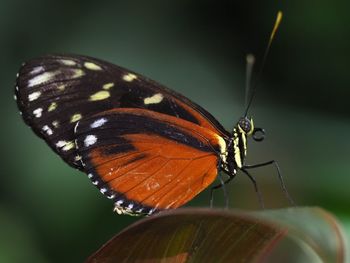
x=144 y=146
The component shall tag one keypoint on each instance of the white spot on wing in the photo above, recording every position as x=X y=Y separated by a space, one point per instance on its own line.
x=60 y=144
x=66 y=146
x=139 y=210
x=47 y=129
x=103 y=190
x=55 y=124
x=34 y=95
x=68 y=62
x=37 y=70
x=151 y=211
x=15 y=97
x=38 y=112
x=156 y=98
x=129 y=77
x=119 y=202
x=42 y=78
x=90 y=140
x=98 y=123
x=92 y=66
x=111 y=196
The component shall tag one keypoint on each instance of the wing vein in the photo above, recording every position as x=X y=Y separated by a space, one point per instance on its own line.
x=173 y=189
x=162 y=188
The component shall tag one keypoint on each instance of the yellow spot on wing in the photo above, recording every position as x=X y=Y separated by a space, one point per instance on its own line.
x=156 y=98
x=129 y=77
x=75 y=117
x=52 y=106
x=61 y=87
x=77 y=73
x=107 y=86
x=92 y=66
x=68 y=146
x=100 y=95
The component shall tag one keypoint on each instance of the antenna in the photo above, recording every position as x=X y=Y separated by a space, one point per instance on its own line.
x=250 y=60
x=267 y=50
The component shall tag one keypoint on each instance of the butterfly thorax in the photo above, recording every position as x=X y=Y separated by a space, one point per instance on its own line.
x=238 y=149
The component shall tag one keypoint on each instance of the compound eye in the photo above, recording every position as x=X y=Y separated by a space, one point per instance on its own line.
x=245 y=125
x=258 y=134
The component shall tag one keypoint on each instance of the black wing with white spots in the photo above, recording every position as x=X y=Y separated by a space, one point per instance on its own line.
x=55 y=92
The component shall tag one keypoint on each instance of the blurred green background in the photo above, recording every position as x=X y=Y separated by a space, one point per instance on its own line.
x=51 y=213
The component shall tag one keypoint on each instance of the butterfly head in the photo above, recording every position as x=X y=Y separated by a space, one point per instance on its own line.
x=245 y=126
x=244 y=129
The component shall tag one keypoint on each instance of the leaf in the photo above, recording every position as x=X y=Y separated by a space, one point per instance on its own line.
x=209 y=235
x=315 y=230
x=191 y=235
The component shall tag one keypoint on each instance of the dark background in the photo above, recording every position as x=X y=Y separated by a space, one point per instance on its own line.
x=51 y=213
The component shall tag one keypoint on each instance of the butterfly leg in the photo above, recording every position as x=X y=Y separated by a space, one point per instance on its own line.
x=252 y=179
x=221 y=185
x=274 y=163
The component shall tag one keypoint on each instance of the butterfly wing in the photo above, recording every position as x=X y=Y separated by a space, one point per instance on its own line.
x=55 y=92
x=147 y=161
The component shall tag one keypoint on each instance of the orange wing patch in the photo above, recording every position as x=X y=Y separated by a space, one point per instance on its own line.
x=159 y=173
x=147 y=160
